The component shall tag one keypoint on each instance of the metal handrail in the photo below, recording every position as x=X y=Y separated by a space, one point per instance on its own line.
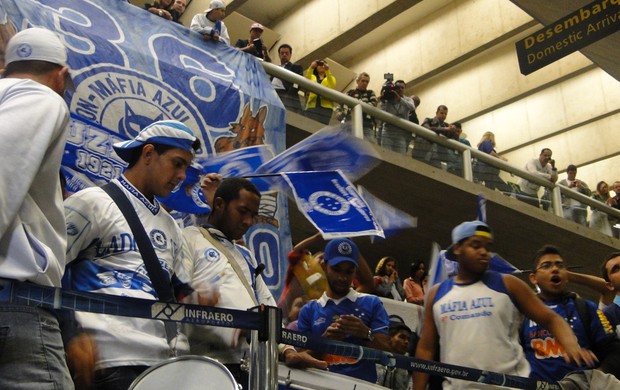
x=419 y=131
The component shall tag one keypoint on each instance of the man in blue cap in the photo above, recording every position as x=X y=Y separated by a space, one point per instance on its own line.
x=481 y=309
x=344 y=314
x=102 y=255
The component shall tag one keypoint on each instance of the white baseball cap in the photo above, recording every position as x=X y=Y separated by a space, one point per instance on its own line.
x=215 y=4
x=36 y=44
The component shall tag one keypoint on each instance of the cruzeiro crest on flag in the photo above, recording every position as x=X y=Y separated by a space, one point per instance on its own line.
x=331 y=203
x=328 y=203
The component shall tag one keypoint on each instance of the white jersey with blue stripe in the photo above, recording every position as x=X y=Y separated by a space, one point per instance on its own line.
x=478 y=327
x=103 y=257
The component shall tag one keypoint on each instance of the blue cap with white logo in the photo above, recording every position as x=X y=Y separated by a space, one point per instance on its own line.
x=341 y=249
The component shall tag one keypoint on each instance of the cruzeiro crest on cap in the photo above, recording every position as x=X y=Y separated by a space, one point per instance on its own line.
x=24 y=50
x=344 y=248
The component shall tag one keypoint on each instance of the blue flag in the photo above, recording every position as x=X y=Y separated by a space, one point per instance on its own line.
x=388 y=217
x=327 y=150
x=481 y=208
x=188 y=196
x=332 y=204
x=240 y=162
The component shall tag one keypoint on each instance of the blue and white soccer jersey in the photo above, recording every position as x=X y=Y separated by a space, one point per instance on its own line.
x=208 y=267
x=317 y=315
x=103 y=257
x=478 y=326
x=544 y=352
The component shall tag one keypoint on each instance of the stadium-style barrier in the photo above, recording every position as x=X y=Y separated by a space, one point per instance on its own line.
x=265 y=326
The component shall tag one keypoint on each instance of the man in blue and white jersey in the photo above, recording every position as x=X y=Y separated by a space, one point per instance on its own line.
x=591 y=327
x=344 y=314
x=103 y=257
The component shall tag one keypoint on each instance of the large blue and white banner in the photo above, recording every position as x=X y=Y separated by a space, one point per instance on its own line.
x=332 y=204
x=132 y=68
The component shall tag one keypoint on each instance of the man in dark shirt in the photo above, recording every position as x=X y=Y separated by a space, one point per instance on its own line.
x=365 y=95
x=254 y=45
x=287 y=91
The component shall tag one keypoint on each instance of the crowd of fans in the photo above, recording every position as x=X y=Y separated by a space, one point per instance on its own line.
x=556 y=319
x=392 y=99
x=331 y=294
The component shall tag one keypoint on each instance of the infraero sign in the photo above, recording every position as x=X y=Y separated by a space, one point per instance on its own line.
x=568 y=34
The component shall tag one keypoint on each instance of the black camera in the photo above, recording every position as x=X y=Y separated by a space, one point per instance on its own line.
x=389 y=89
x=258 y=45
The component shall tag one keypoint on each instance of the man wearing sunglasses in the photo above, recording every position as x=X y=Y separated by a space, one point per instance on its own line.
x=591 y=327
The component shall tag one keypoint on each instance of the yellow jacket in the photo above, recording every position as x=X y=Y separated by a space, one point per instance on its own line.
x=329 y=81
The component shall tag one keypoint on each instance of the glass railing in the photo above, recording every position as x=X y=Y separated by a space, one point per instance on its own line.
x=462 y=160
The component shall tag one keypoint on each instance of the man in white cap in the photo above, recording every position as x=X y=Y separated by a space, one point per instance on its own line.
x=210 y=23
x=33 y=121
x=480 y=309
x=103 y=257
x=254 y=45
x=344 y=314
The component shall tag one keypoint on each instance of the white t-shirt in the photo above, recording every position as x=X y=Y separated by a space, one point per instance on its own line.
x=33 y=124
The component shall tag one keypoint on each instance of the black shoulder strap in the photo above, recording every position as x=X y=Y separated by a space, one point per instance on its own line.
x=584 y=314
x=158 y=277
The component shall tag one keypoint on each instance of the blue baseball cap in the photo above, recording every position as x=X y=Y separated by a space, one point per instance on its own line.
x=466 y=230
x=341 y=249
x=168 y=132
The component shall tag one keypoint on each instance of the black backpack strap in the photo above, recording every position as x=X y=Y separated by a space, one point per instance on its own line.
x=158 y=277
x=584 y=314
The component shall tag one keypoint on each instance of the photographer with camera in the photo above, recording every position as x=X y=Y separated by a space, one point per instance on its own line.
x=362 y=93
x=394 y=101
x=254 y=45
x=317 y=107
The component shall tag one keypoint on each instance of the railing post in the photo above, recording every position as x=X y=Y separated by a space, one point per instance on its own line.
x=264 y=349
x=357 y=121
x=556 y=201
x=468 y=173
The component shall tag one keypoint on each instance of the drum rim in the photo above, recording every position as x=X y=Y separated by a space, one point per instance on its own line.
x=180 y=358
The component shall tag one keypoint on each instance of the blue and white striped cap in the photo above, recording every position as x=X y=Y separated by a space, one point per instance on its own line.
x=172 y=133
